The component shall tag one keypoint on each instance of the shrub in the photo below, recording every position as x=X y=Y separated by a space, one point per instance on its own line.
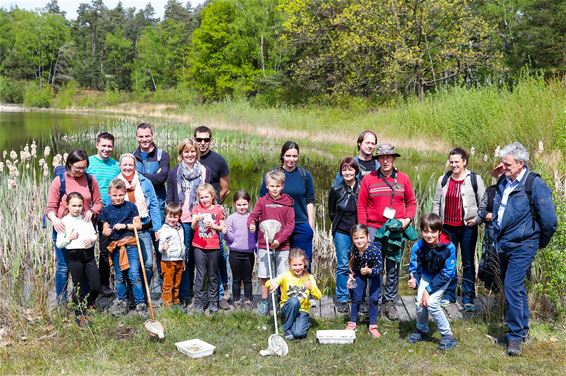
x=66 y=95
x=11 y=91
x=38 y=96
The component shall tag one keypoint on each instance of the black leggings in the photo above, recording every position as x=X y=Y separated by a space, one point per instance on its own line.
x=83 y=264
x=242 y=265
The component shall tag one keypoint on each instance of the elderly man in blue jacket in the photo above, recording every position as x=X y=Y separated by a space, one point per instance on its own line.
x=524 y=221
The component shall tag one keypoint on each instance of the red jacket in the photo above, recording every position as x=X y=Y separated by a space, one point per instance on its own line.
x=282 y=211
x=375 y=195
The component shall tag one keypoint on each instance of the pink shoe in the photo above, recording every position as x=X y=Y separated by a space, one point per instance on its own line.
x=374 y=332
x=351 y=325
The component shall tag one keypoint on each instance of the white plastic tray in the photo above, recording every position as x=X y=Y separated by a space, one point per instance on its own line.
x=195 y=348
x=340 y=337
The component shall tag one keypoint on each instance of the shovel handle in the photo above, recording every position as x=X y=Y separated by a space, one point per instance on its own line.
x=143 y=273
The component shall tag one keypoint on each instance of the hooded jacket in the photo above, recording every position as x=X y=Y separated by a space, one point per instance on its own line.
x=438 y=263
x=280 y=210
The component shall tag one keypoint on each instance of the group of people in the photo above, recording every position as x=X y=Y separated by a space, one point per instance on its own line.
x=176 y=219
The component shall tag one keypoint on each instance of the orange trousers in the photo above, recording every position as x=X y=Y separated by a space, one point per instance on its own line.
x=171 y=272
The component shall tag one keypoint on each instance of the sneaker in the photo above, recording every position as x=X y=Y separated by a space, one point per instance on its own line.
x=391 y=311
x=248 y=305
x=238 y=304
x=447 y=343
x=417 y=336
x=342 y=307
x=197 y=308
x=226 y=294
x=224 y=305
x=374 y=332
x=106 y=291
x=289 y=337
x=141 y=310
x=351 y=325
x=444 y=302
x=118 y=307
x=263 y=307
x=81 y=321
x=514 y=347
x=469 y=307
x=213 y=308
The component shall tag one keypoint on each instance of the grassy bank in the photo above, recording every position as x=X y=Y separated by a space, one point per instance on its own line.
x=482 y=118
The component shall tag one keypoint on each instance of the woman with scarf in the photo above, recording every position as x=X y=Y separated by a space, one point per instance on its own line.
x=140 y=192
x=182 y=184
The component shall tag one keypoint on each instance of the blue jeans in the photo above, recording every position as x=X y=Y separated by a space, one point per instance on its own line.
x=133 y=274
x=374 y=297
x=222 y=267
x=466 y=237
x=515 y=266
x=61 y=273
x=302 y=238
x=146 y=243
x=343 y=243
x=188 y=276
x=433 y=307
x=296 y=321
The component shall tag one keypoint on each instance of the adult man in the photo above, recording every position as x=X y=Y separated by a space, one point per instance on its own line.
x=365 y=159
x=524 y=221
x=104 y=169
x=386 y=194
x=217 y=171
x=153 y=163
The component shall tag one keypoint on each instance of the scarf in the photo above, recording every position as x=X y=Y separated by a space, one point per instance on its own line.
x=188 y=179
x=135 y=194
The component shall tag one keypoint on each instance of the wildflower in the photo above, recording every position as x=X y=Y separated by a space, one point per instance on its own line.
x=12 y=183
x=46 y=151
x=13 y=155
x=497 y=149
x=45 y=170
x=33 y=149
x=485 y=157
x=1 y=166
x=540 y=147
x=41 y=162
x=65 y=157
x=57 y=160
x=473 y=151
x=4 y=154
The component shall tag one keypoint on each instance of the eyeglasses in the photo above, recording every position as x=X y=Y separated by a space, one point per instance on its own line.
x=199 y=139
x=78 y=168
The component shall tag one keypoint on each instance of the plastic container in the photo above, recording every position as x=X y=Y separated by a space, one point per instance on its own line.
x=195 y=348
x=339 y=337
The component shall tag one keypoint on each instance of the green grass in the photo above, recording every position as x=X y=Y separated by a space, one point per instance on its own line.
x=121 y=345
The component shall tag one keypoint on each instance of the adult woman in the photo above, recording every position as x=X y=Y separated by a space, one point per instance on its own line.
x=456 y=201
x=182 y=184
x=299 y=185
x=73 y=179
x=342 y=207
x=140 y=192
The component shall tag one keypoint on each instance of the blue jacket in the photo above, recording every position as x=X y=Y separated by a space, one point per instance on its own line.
x=519 y=229
x=438 y=263
x=338 y=179
x=151 y=202
x=155 y=168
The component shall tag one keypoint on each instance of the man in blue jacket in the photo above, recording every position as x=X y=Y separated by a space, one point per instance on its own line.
x=524 y=221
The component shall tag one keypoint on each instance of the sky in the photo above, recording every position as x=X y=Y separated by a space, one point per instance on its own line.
x=71 y=6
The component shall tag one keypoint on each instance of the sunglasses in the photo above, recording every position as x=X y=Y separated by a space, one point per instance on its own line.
x=199 y=139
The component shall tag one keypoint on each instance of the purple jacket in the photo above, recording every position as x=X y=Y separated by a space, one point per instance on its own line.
x=238 y=237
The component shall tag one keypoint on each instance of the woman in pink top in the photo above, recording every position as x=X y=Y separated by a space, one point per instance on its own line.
x=74 y=179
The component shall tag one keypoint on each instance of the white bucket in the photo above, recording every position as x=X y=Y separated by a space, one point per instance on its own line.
x=340 y=337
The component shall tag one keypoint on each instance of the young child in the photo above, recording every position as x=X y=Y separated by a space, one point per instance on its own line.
x=172 y=248
x=279 y=207
x=365 y=268
x=207 y=221
x=297 y=285
x=432 y=266
x=242 y=244
x=118 y=221
x=77 y=243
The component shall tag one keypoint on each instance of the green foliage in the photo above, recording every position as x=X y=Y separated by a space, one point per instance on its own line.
x=119 y=53
x=38 y=95
x=11 y=91
x=66 y=96
x=551 y=281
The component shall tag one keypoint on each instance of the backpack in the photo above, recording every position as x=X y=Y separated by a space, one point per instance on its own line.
x=473 y=178
x=60 y=171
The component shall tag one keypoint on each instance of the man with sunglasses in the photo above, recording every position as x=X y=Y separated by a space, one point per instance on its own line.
x=218 y=175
